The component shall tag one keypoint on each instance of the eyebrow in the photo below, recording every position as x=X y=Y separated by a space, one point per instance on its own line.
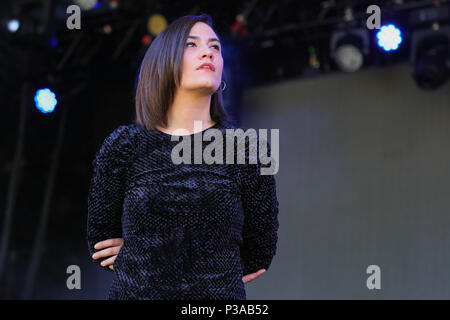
x=209 y=40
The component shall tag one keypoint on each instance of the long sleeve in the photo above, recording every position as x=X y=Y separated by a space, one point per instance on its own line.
x=261 y=224
x=106 y=191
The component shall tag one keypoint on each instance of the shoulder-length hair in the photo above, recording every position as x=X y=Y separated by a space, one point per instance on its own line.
x=160 y=75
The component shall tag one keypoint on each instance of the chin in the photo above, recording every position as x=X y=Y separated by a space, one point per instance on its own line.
x=207 y=87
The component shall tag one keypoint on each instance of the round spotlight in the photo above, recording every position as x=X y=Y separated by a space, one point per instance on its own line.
x=146 y=40
x=432 y=69
x=45 y=100
x=349 y=58
x=156 y=24
x=13 y=25
x=349 y=48
x=389 y=37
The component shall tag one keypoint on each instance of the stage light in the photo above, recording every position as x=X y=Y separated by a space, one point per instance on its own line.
x=389 y=37
x=87 y=4
x=45 y=100
x=106 y=29
x=13 y=25
x=349 y=58
x=348 y=48
x=53 y=41
x=432 y=69
x=146 y=40
x=156 y=24
x=113 y=4
x=430 y=57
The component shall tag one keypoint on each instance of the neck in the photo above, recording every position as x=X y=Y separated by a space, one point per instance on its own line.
x=188 y=107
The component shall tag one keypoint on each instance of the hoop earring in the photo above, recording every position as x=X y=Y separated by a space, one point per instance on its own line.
x=224 y=86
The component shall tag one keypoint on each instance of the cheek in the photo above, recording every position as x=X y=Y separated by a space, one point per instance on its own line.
x=188 y=62
x=220 y=63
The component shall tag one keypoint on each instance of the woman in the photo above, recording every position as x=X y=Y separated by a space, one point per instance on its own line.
x=179 y=231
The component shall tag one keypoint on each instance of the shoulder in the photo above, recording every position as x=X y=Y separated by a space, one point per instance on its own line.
x=118 y=146
x=123 y=134
x=249 y=140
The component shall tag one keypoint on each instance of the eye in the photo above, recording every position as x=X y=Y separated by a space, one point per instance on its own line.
x=216 y=46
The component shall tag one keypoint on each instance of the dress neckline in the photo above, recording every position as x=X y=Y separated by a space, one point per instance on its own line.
x=168 y=135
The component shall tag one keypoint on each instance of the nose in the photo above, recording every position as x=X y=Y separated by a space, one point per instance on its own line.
x=207 y=54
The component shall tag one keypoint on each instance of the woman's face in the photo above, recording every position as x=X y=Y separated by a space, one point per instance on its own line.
x=202 y=46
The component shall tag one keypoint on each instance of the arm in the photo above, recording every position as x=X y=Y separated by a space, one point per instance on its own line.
x=106 y=191
x=261 y=225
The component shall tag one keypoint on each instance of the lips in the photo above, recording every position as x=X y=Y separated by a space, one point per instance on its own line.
x=210 y=65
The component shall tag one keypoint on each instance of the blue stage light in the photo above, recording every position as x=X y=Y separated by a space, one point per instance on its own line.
x=45 y=100
x=389 y=37
x=13 y=25
x=53 y=41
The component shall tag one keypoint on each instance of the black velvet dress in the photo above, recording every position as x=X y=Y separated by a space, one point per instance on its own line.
x=190 y=231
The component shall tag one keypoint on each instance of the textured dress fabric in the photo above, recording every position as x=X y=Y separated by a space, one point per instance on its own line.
x=190 y=230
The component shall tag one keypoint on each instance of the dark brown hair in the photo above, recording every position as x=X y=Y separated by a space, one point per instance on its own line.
x=160 y=74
